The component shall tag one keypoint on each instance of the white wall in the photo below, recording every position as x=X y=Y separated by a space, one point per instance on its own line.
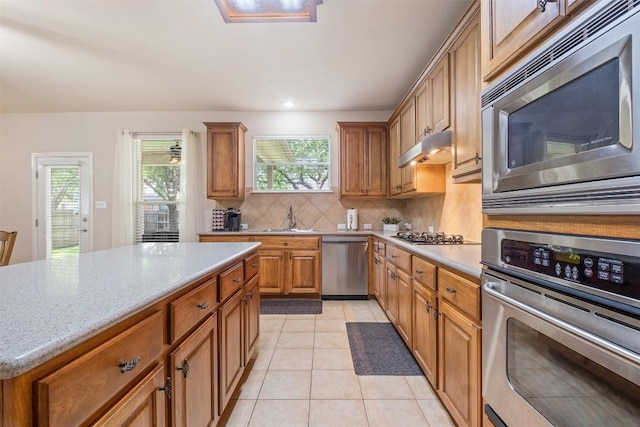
x=24 y=134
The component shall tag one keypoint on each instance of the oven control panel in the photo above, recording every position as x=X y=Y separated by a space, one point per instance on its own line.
x=608 y=272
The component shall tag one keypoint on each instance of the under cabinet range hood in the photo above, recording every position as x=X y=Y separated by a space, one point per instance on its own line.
x=432 y=149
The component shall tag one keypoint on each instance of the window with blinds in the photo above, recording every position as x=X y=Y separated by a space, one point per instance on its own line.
x=157 y=206
x=291 y=163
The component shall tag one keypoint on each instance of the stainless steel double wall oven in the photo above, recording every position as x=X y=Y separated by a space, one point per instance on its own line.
x=561 y=313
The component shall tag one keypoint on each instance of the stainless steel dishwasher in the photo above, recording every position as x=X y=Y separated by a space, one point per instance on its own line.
x=345 y=267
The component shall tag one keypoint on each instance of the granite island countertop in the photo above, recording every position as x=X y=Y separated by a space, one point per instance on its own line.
x=50 y=306
x=463 y=258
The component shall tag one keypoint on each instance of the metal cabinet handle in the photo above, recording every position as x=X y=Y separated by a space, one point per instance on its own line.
x=542 y=4
x=237 y=280
x=203 y=305
x=477 y=159
x=184 y=368
x=451 y=290
x=428 y=307
x=419 y=272
x=167 y=388
x=255 y=264
x=436 y=313
x=128 y=366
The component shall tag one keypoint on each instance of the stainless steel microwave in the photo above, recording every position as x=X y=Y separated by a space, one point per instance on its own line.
x=561 y=133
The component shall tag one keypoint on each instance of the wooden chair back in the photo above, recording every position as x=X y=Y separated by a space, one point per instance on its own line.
x=7 y=239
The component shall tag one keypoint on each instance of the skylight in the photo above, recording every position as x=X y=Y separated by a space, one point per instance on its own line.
x=268 y=10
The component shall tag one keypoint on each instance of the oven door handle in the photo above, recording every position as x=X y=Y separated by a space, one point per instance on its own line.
x=620 y=351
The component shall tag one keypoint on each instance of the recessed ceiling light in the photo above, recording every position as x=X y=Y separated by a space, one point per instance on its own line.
x=288 y=103
x=268 y=10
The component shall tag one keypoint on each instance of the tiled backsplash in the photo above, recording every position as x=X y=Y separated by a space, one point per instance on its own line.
x=457 y=211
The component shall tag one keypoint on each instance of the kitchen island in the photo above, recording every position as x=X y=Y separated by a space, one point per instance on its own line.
x=78 y=335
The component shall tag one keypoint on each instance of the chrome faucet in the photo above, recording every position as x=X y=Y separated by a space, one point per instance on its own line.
x=292 y=218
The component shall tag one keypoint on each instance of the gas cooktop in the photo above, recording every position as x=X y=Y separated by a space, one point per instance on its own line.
x=437 y=238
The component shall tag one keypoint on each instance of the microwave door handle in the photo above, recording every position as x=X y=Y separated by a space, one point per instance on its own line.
x=490 y=290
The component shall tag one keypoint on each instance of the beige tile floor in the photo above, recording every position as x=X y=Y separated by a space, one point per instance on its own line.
x=303 y=375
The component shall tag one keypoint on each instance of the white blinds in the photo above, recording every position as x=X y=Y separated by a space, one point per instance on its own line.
x=62 y=210
x=157 y=192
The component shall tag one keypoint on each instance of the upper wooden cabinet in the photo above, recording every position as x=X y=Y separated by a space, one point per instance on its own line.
x=395 y=173
x=432 y=101
x=363 y=160
x=225 y=161
x=466 y=138
x=512 y=28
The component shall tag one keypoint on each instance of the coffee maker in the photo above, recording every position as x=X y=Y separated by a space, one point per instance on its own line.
x=232 y=219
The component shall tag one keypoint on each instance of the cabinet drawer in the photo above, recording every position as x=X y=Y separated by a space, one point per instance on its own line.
x=188 y=310
x=251 y=266
x=73 y=393
x=461 y=292
x=399 y=258
x=424 y=272
x=288 y=242
x=231 y=280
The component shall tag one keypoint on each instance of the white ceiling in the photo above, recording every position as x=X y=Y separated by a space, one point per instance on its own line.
x=179 y=55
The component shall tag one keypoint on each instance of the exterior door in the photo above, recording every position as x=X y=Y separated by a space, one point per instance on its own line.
x=62 y=204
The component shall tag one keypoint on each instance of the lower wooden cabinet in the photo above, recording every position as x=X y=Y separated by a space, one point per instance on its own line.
x=391 y=285
x=289 y=271
x=425 y=330
x=251 y=317
x=194 y=375
x=379 y=280
x=143 y=406
x=231 y=346
x=405 y=320
x=459 y=365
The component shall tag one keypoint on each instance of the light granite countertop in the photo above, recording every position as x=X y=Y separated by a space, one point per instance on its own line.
x=47 y=307
x=462 y=258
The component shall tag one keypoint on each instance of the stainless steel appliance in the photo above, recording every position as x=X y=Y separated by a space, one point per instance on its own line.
x=431 y=238
x=561 y=328
x=345 y=267
x=561 y=133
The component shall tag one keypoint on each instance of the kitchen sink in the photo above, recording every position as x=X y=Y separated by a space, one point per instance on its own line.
x=290 y=230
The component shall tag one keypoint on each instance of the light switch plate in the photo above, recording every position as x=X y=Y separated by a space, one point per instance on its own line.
x=101 y=204
x=244 y=226
x=367 y=226
x=342 y=226
x=430 y=229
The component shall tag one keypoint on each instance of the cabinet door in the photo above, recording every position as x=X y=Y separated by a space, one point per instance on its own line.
x=392 y=293
x=351 y=161
x=271 y=271
x=395 y=173
x=423 y=121
x=380 y=281
x=225 y=161
x=405 y=319
x=425 y=330
x=193 y=370
x=513 y=27
x=459 y=366
x=304 y=272
x=143 y=406
x=231 y=347
x=438 y=105
x=251 y=318
x=466 y=143
x=375 y=161
x=408 y=140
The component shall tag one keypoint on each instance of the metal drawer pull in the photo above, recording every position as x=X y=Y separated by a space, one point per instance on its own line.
x=255 y=264
x=451 y=290
x=237 y=279
x=203 y=305
x=184 y=368
x=167 y=388
x=128 y=366
x=419 y=272
x=428 y=307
